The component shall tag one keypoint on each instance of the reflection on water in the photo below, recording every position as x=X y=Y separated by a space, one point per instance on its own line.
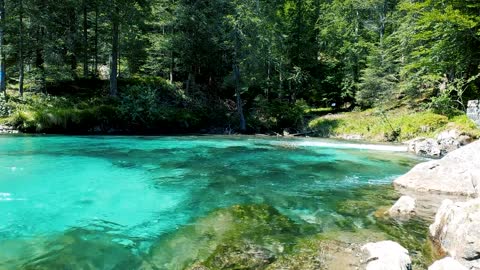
x=114 y=202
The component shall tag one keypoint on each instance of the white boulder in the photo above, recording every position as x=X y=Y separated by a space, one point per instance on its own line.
x=425 y=147
x=447 y=264
x=387 y=255
x=404 y=207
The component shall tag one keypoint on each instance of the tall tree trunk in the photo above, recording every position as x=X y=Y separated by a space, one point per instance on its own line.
x=85 y=39
x=172 y=66
x=72 y=39
x=20 y=51
x=236 y=78
x=40 y=60
x=95 y=66
x=3 y=85
x=114 y=56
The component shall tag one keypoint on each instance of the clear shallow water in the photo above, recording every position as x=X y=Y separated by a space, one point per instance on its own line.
x=132 y=191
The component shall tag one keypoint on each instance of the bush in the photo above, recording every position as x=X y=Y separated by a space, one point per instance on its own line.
x=138 y=105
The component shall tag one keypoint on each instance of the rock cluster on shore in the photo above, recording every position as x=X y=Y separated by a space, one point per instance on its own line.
x=456 y=228
x=444 y=143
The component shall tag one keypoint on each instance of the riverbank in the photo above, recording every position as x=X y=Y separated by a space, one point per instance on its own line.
x=401 y=125
x=38 y=113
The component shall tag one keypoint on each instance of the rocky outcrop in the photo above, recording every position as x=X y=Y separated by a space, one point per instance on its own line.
x=456 y=230
x=403 y=208
x=444 y=143
x=387 y=255
x=473 y=111
x=447 y=264
x=425 y=147
x=458 y=173
x=8 y=130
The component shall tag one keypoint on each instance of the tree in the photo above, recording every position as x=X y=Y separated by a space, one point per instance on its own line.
x=3 y=87
x=115 y=20
x=21 y=66
x=446 y=41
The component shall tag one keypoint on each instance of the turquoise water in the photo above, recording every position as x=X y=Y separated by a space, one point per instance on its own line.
x=129 y=192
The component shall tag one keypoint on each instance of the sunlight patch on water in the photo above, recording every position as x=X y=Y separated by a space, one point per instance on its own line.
x=359 y=146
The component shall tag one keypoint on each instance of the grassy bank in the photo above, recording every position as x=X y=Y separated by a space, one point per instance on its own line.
x=393 y=125
x=149 y=105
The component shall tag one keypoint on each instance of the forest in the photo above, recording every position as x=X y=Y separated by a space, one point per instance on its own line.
x=242 y=65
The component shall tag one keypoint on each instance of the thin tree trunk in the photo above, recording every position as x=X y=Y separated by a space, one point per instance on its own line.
x=85 y=39
x=119 y=66
x=172 y=65
x=3 y=85
x=236 y=78
x=72 y=34
x=114 y=56
x=95 y=66
x=20 y=51
x=40 y=61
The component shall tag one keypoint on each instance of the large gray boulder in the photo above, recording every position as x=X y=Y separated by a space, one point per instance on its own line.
x=457 y=231
x=387 y=255
x=458 y=173
x=447 y=264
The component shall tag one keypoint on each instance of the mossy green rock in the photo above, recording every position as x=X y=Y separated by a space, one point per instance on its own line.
x=240 y=256
x=238 y=237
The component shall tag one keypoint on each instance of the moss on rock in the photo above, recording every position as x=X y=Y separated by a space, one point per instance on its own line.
x=224 y=238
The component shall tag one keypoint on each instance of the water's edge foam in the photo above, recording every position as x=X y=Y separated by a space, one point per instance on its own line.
x=376 y=147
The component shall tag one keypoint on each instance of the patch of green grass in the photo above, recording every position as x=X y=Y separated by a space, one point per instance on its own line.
x=375 y=125
x=44 y=113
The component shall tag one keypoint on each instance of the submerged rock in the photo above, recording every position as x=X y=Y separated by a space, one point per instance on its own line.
x=387 y=255
x=458 y=173
x=404 y=207
x=238 y=236
x=329 y=251
x=244 y=256
x=447 y=264
x=75 y=249
x=457 y=231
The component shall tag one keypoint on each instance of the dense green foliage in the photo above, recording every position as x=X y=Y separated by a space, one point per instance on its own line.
x=267 y=61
